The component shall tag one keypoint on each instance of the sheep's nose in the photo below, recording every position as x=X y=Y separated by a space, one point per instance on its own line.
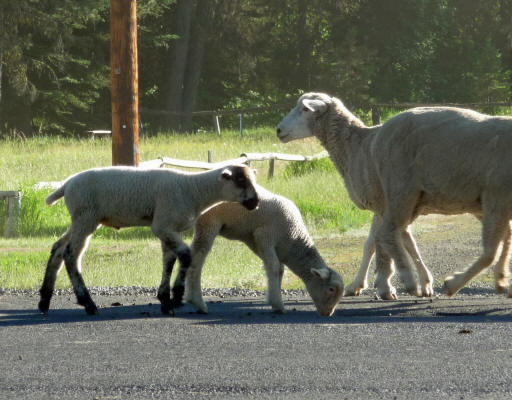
x=278 y=131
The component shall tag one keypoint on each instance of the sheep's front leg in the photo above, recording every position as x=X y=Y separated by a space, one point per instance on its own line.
x=204 y=236
x=426 y=280
x=274 y=270
x=172 y=245
x=384 y=273
x=501 y=271
x=360 y=282
x=164 y=290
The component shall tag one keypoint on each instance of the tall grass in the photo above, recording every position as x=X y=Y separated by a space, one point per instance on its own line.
x=132 y=256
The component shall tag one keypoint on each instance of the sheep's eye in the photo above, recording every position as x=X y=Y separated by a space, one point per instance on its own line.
x=331 y=290
x=305 y=109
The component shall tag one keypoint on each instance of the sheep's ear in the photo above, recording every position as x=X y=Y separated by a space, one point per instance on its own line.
x=320 y=273
x=226 y=174
x=314 y=105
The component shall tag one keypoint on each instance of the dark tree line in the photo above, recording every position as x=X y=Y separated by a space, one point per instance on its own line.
x=214 y=54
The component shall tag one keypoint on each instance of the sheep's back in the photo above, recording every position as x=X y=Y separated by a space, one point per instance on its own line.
x=117 y=193
x=450 y=155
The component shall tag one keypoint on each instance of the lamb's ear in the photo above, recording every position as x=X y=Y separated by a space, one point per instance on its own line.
x=226 y=174
x=320 y=273
x=314 y=105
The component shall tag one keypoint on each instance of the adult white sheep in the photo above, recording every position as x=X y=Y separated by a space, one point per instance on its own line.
x=424 y=160
x=168 y=201
x=277 y=234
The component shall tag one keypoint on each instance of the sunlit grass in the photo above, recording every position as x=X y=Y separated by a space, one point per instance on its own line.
x=132 y=257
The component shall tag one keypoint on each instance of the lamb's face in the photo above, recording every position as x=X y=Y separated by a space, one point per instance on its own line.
x=300 y=121
x=326 y=289
x=239 y=186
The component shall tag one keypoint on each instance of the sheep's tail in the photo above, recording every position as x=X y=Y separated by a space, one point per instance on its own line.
x=53 y=197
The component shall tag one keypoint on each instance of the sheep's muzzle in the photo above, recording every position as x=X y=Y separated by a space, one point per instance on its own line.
x=251 y=203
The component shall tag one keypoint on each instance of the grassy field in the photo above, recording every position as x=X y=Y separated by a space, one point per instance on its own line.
x=132 y=257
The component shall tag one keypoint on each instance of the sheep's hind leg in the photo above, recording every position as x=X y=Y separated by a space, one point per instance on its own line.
x=52 y=270
x=360 y=282
x=72 y=259
x=494 y=229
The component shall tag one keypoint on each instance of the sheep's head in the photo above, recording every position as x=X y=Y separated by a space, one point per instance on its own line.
x=301 y=121
x=239 y=186
x=326 y=289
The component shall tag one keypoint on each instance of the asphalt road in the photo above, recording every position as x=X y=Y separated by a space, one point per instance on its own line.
x=457 y=348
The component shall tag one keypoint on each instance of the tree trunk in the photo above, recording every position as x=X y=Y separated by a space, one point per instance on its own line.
x=304 y=47
x=1 y=119
x=202 y=24
x=178 y=60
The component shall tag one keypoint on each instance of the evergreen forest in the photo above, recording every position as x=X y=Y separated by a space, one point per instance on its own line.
x=228 y=54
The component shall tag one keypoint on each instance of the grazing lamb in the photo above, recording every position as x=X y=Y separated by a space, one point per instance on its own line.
x=424 y=160
x=277 y=234
x=166 y=200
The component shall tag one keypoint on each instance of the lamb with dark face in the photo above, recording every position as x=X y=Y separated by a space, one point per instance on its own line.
x=168 y=201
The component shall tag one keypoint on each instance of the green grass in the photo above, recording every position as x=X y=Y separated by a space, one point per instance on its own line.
x=132 y=257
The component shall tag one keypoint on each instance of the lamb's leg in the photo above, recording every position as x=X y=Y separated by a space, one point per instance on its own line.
x=426 y=280
x=494 y=226
x=52 y=269
x=204 y=236
x=274 y=271
x=501 y=269
x=164 y=290
x=360 y=282
x=80 y=236
x=172 y=242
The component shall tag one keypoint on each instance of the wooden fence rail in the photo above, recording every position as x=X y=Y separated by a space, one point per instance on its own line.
x=245 y=158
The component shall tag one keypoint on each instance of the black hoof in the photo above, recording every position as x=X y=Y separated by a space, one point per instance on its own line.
x=43 y=306
x=91 y=309
x=167 y=308
x=165 y=303
x=177 y=296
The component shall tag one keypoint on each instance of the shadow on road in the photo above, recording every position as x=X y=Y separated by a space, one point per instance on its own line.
x=361 y=310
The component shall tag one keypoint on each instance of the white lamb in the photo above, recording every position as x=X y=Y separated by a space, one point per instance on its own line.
x=424 y=160
x=276 y=233
x=166 y=200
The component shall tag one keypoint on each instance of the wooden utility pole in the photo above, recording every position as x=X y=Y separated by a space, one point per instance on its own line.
x=125 y=82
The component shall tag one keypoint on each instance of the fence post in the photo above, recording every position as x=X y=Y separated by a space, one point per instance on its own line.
x=375 y=115
x=216 y=123
x=210 y=156
x=13 y=212
x=271 y=165
x=241 y=123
